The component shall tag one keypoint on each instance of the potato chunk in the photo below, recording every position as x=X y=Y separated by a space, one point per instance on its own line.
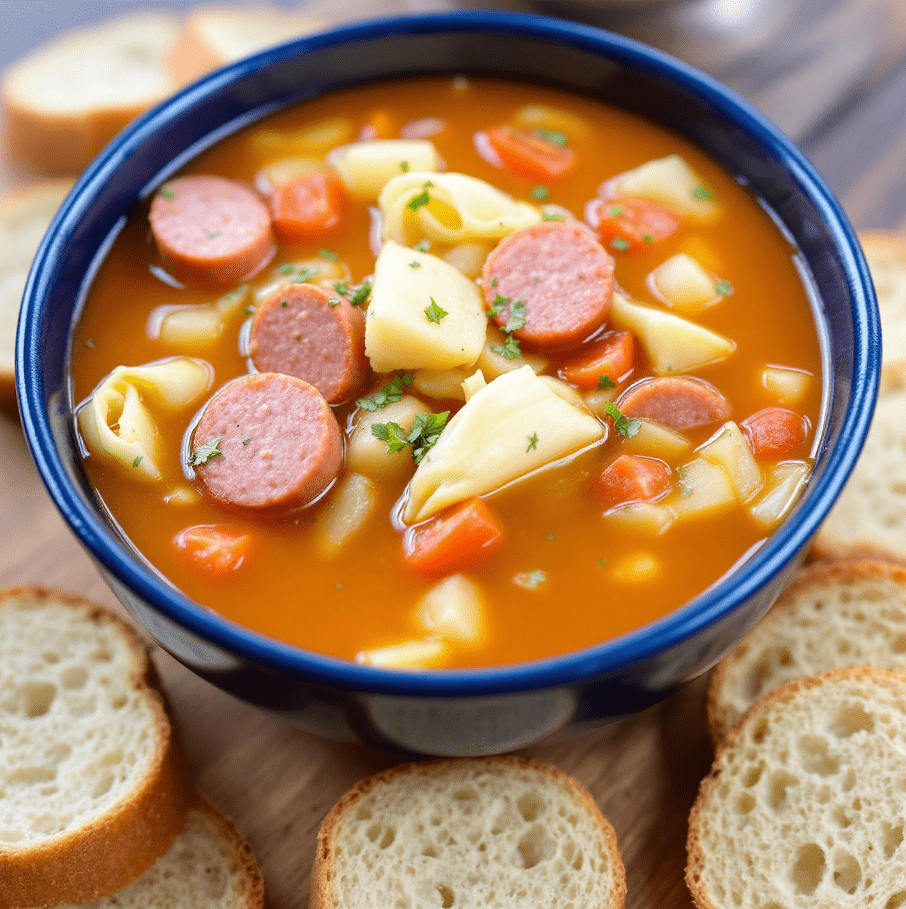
x=368 y=455
x=668 y=181
x=685 y=285
x=781 y=490
x=351 y=504
x=654 y=440
x=788 y=386
x=705 y=489
x=364 y=167
x=453 y=610
x=398 y=331
x=729 y=449
x=509 y=428
x=674 y=345
x=405 y=655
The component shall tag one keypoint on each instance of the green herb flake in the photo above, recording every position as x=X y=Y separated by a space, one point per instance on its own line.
x=205 y=452
x=328 y=255
x=434 y=312
x=510 y=350
x=703 y=193
x=389 y=394
x=552 y=536
x=552 y=216
x=516 y=319
x=422 y=199
x=167 y=192
x=624 y=426
x=684 y=482
x=391 y=433
x=249 y=311
x=424 y=246
x=494 y=280
x=555 y=137
x=341 y=287
x=404 y=167
x=415 y=264
x=648 y=238
x=615 y=210
x=529 y=580
x=620 y=244
x=246 y=441
x=334 y=301
x=284 y=303
x=137 y=461
x=213 y=234
x=532 y=442
x=724 y=288
x=602 y=561
x=499 y=302
x=361 y=294
x=286 y=269
x=540 y=193
x=425 y=432
x=306 y=274
x=605 y=382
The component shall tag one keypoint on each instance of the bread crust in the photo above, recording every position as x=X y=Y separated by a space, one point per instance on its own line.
x=322 y=892
x=111 y=851
x=889 y=246
x=696 y=856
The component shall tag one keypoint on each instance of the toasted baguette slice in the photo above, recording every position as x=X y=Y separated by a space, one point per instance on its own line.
x=500 y=833
x=24 y=217
x=869 y=518
x=835 y=614
x=213 y=36
x=93 y=788
x=803 y=807
x=67 y=99
x=209 y=866
x=886 y=255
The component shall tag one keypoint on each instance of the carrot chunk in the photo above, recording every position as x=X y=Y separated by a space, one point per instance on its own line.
x=530 y=155
x=775 y=432
x=604 y=364
x=308 y=206
x=630 y=225
x=453 y=539
x=216 y=549
x=631 y=478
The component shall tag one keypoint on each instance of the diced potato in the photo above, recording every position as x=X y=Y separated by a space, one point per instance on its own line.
x=683 y=284
x=352 y=501
x=474 y=383
x=781 y=490
x=729 y=448
x=282 y=170
x=398 y=332
x=364 y=167
x=182 y=495
x=639 y=567
x=407 y=655
x=554 y=119
x=654 y=440
x=453 y=610
x=368 y=455
x=787 y=386
x=509 y=428
x=705 y=490
x=674 y=345
x=649 y=518
x=196 y=325
x=494 y=364
x=468 y=258
x=442 y=383
x=595 y=400
x=314 y=269
x=668 y=181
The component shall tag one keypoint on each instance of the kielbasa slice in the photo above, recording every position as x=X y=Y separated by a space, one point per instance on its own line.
x=305 y=331
x=679 y=402
x=267 y=442
x=562 y=276
x=210 y=230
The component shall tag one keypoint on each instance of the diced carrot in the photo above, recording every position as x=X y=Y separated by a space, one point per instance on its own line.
x=456 y=537
x=308 y=206
x=631 y=478
x=775 y=432
x=630 y=225
x=604 y=364
x=215 y=548
x=530 y=155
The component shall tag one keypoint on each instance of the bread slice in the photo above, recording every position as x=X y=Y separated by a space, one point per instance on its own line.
x=93 y=787
x=869 y=518
x=68 y=98
x=25 y=215
x=209 y=866
x=834 y=614
x=803 y=807
x=500 y=833
x=213 y=36
x=886 y=255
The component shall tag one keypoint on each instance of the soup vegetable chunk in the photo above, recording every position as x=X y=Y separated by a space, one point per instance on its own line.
x=448 y=373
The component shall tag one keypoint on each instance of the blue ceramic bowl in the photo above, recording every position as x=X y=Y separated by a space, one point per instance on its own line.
x=464 y=711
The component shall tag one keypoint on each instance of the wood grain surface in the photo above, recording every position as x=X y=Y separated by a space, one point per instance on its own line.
x=278 y=782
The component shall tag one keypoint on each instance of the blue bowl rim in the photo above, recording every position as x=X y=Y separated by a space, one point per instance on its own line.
x=596 y=660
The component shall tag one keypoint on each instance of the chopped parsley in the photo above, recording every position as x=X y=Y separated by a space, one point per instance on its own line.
x=415 y=264
x=246 y=441
x=341 y=287
x=328 y=254
x=361 y=294
x=389 y=394
x=424 y=246
x=530 y=579
x=702 y=192
x=684 y=482
x=555 y=137
x=420 y=439
x=167 y=192
x=137 y=461
x=404 y=166
x=648 y=238
x=602 y=561
x=286 y=269
x=434 y=312
x=510 y=350
x=605 y=382
x=306 y=274
x=540 y=193
x=249 y=311
x=213 y=234
x=284 y=303
x=516 y=319
x=624 y=426
x=724 y=288
x=615 y=210
x=494 y=280
x=334 y=301
x=391 y=433
x=205 y=452
x=499 y=301
x=620 y=244
x=552 y=216
x=532 y=442
x=422 y=199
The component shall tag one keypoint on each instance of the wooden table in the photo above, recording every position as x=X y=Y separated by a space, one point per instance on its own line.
x=278 y=783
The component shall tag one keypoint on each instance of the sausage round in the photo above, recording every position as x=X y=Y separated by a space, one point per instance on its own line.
x=303 y=330
x=679 y=402
x=562 y=275
x=267 y=442
x=210 y=230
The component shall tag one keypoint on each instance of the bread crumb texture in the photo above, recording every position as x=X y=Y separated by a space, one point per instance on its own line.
x=805 y=805
x=886 y=255
x=502 y=832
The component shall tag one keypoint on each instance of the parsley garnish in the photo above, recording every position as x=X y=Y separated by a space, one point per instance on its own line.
x=510 y=350
x=532 y=442
x=167 y=192
x=620 y=244
x=213 y=234
x=246 y=441
x=540 y=193
x=552 y=216
x=286 y=269
x=624 y=426
x=205 y=452
x=249 y=311
x=404 y=166
x=415 y=264
x=724 y=288
x=516 y=319
x=137 y=461
x=341 y=287
x=434 y=312
x=530 y=579
x=555 y=137
x=614 y=210
x=306 y=274
x=328 y=254
x=424 y=246
x=361 y=294
x=499 y=301
x=284 y=304
x=389 y=394
x=605 y=382
x=702 y=192
x=391 y=433
x=684 y=482
x=494 y=280
x=648 y=238
x=421 y=438
x=334 y=301
x=602 y=561
x=422 y=199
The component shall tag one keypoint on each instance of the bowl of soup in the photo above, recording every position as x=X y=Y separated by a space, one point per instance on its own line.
x=449 y=383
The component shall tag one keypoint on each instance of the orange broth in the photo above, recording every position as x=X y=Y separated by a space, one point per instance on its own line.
x=364 y=596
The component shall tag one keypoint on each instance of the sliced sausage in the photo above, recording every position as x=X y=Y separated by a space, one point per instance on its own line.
x=679 y=402
x=308 y=332
x=267 y=442
x=775 y=432
x=561 y=275
x=210 y=230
